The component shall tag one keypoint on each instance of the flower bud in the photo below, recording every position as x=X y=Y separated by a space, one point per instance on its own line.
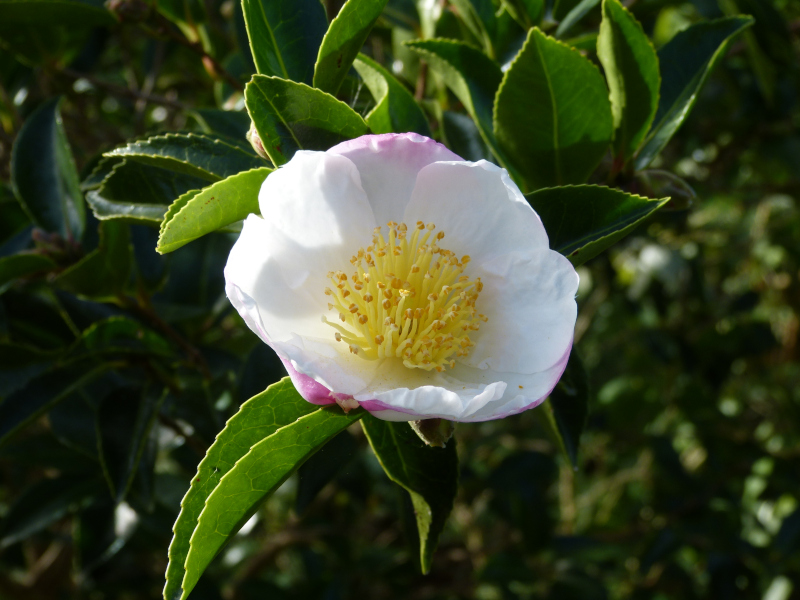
x=434 y=432
x=255 y=142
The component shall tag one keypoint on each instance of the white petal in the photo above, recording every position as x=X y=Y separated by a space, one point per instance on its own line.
x=464 y=394
x=317 y=201
x=389 y=165
x=420 y=394
x=481 y=211
x=322 y=359
x=522 y=392
x=282 y=280
x=529 y=299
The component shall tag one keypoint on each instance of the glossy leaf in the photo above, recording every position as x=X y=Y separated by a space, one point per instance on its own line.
x=582 y=221
x=551 y=137
x=686 y=61
x=568 y=407
x=43 y=173
x=631 y=67
x=44 y=392
x=256 y=475
x=291 y=116
x=428 y=474
x=343 y=41
x=139 y=193
x=474 y=78
x=192 y=154
x=395 y=110
x=197 y=213
x=103 y=273
x=22 y=265
x=258 y=418
x=285 y=36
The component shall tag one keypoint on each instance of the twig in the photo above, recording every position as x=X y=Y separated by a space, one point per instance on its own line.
x=119 y=90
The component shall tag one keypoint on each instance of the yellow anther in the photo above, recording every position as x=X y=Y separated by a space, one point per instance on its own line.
x=428 y=304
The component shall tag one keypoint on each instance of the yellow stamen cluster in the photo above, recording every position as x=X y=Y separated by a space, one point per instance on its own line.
x=408 y=299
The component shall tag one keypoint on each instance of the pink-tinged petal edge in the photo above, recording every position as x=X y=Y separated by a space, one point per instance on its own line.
x=386 y=139
x=318 y=394
x=562 y=366
x=312 y=391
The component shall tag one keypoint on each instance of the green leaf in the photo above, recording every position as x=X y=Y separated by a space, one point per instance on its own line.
x=285 y=36
x=480 y=19
x=103 y=273
x=21 y=265
x=395 y=110
x=139 y=193
x=230 y=123
x=686 y=61
x=258 y=418
x=192 y=154
x=474 y=78
x=123 y=423
x=343 y=41
x=582 y=221
x=292 y=116
x=123 y=335
x=461 y=135
x=631 y=66
x=429 y=475
x=61 y=13
x=44 y=392
x=44 y=503
x=568 y=407
x=197 y=213
x=256 y=475
x=552 y=114
x=43 y=173
x=576 y=14
x=525 y=12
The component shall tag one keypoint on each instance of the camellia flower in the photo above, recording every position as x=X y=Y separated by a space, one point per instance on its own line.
x=389 y=273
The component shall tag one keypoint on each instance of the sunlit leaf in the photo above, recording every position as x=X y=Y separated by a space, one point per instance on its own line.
x=551 y=138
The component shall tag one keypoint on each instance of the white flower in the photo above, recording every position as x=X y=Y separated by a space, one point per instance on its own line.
x=455 y=308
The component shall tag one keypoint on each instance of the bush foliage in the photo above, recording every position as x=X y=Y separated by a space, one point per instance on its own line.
x=657 y=139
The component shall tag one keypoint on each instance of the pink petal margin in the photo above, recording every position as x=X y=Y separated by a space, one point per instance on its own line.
x=316 y=393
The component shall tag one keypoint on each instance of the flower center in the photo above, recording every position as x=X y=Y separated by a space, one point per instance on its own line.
x=408 y=298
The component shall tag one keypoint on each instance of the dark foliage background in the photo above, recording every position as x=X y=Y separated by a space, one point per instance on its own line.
x=688 y=474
